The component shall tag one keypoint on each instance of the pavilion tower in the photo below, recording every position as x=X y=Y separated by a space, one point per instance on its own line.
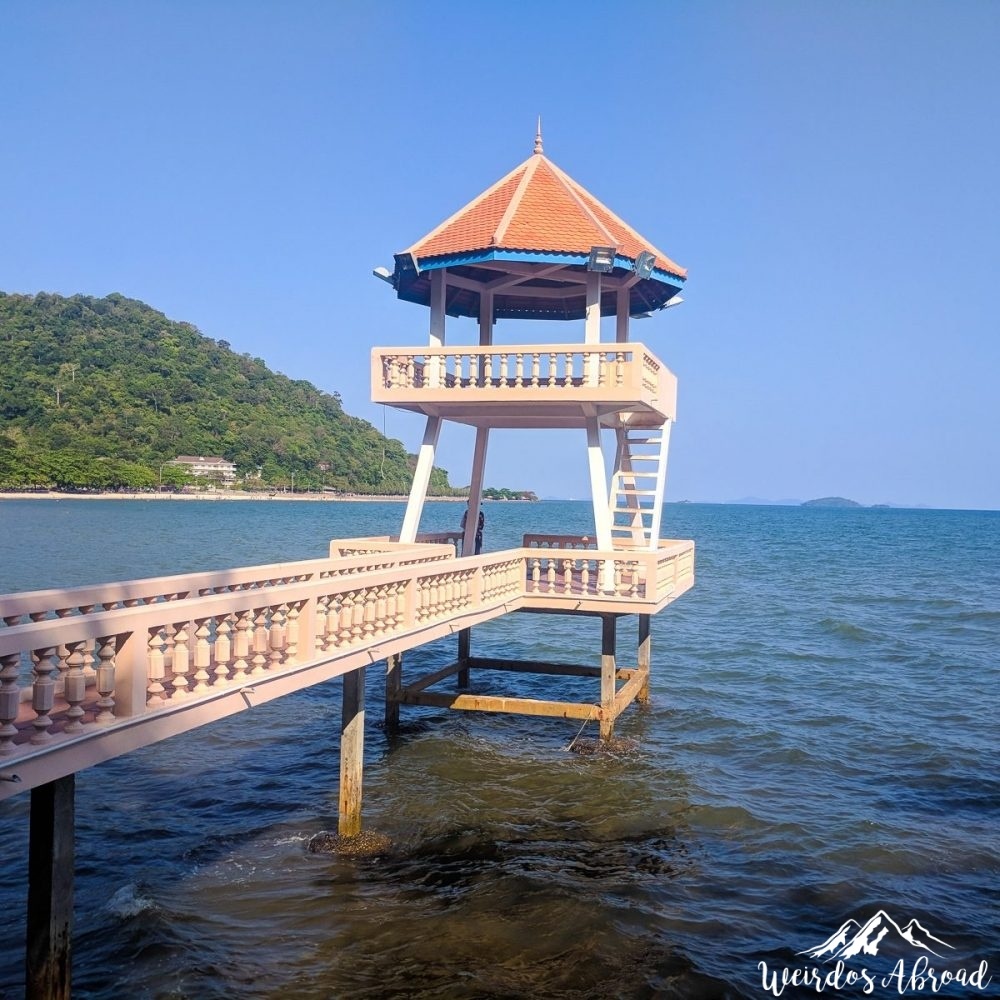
x=536 y=245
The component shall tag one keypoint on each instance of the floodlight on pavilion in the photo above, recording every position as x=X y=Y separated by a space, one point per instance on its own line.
x=644 y=264
x=601 y=259
x=406 y=262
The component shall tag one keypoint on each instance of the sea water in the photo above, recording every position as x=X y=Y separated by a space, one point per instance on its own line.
x=822 y=745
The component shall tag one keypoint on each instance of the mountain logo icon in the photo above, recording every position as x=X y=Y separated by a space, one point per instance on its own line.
x=877 y=932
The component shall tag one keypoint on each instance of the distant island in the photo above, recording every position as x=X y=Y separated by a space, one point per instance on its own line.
x=819 y=502
x=831 y=502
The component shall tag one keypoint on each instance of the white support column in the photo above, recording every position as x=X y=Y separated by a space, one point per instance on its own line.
x=592 y=324
x=475 y=490
x=421 y=479
x=485 y=319
x=439 y=287
x=598 y=485
x=621 y=316
x=485 y=331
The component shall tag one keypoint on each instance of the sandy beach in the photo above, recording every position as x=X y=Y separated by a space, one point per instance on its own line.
x=225 y=495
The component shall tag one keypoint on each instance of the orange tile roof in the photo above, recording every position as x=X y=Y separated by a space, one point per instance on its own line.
x=537 y=208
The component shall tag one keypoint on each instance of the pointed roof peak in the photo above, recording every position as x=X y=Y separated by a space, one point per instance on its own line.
x=534 y=215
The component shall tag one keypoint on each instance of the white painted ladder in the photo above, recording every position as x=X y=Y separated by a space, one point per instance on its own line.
x=637 y=486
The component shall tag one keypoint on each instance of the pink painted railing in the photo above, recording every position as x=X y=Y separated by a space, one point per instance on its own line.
x=559 y=542
x=119 y=666
x=347 y=557
x=452 y=538
x=564 y=569
x=623 y=373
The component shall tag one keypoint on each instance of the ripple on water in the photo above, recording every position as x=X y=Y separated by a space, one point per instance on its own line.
x=129 y=901
x=822 y=741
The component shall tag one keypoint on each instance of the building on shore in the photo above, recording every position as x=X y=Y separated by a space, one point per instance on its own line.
x=209 y=466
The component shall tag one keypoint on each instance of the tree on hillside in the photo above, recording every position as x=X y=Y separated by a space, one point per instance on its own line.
x=93 y=390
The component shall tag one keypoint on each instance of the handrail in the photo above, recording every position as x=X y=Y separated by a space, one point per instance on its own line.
x=537 y=541
x=201 y=656
x=625 y=371
x=453 y=539
x=365 y=555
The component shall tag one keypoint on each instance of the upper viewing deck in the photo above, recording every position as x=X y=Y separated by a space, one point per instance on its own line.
x=536 y=385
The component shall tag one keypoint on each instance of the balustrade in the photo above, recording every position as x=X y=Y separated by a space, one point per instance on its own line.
x=628 y=373
x=156 y=669
x=43 y=692
x=93 y=671
x=223 y=648
x=180 y=660
x=75 y=684
x=10 y=700
x=363 y=555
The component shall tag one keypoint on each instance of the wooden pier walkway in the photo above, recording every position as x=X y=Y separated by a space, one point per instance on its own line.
x=90 y=673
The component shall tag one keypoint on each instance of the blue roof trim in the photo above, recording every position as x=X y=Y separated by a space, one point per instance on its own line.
x=482 y=256
x=539 y=257
x=667 y=278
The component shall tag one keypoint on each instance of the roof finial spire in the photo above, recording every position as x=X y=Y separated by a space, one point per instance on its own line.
x=538 y=136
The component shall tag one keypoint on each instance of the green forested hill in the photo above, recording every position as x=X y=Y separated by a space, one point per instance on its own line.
x=102 y=392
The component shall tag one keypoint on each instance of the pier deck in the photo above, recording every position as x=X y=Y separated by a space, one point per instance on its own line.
x=91 y=673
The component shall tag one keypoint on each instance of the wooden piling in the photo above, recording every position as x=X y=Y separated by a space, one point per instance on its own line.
x=352 y=752
x=644 y=657
x=50 y=890
x=608 y=669
x=393 y=686
x=464 y=652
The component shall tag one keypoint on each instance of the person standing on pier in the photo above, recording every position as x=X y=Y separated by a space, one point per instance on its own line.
x=479 y=528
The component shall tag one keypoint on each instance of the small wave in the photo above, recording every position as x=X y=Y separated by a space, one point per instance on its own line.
x=129 y=901
x=295 y=838
x=847 y=630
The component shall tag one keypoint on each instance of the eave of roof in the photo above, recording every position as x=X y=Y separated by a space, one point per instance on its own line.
x=487 y=254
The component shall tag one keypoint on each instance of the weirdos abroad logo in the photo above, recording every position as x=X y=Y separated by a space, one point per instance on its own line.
x=860 y=955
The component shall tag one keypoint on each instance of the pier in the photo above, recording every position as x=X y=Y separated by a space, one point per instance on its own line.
x=90 y=673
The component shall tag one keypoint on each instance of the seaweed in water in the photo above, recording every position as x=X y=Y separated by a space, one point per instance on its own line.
x=366 y=844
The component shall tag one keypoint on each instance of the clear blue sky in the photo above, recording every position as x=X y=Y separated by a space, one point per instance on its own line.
x=828 y=172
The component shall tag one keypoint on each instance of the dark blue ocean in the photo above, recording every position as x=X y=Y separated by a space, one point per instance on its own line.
x=823 y=744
